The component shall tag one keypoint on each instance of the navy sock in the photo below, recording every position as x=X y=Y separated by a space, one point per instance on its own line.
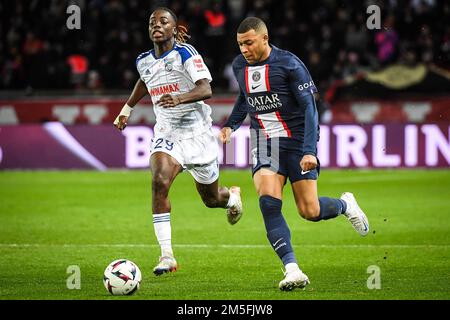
x=331 y=208
x=278 y=231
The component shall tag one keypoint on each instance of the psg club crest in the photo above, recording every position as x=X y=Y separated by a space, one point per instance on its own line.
x=256 y=76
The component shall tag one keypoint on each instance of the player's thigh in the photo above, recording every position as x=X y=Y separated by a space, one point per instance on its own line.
x=164 y=168
x=268 y=182
x=305 y=194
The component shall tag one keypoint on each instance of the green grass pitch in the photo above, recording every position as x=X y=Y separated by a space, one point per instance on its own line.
x=52 y=220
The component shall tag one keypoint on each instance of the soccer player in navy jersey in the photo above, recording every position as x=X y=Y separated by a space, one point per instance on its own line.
x=277 y=91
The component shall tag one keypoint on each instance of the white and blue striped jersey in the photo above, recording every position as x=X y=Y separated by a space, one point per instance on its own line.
x=175 y=72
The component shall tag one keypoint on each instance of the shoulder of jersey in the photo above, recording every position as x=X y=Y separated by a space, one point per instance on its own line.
x=186 y=51
x=143 y=55
x=288 y=58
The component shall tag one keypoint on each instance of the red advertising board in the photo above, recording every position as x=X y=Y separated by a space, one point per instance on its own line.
x=105 y=110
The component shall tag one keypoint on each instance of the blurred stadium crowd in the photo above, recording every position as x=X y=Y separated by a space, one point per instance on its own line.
x=38 y=51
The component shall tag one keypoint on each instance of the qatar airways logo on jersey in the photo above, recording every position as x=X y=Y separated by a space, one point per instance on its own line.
x=165 y=89
x=265 y=102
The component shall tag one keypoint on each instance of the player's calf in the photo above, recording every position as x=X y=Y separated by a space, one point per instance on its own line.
x=323 y=209
x=211 y=202
x=213 y=196
x=310 y=211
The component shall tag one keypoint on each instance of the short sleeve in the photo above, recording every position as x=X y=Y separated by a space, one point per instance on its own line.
x=197 y=69
x=193 y=63
x=139 y=65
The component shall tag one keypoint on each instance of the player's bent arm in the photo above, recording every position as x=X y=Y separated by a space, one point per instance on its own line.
x=139 y=91
x=311 y=125
x=309 y=160
x=202 y=91
x=238 y=114
x=303 y=89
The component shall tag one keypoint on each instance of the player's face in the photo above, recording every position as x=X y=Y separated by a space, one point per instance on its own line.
x=161 y=26
x=253 y=45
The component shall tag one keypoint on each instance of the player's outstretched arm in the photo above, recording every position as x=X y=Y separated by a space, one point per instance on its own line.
x=235 y=119
x=139 y=91
x=202 y=91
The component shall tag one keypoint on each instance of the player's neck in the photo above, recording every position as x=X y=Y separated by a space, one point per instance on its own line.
x=266 y=54
x=161 y=48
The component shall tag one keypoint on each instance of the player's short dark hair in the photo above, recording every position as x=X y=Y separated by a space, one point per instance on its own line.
x=250 y=23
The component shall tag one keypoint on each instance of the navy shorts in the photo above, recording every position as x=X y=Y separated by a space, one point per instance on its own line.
x=285 y=162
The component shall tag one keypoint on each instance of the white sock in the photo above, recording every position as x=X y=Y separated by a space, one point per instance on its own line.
x=232 y=199
x=163 y=232
x=291 y=267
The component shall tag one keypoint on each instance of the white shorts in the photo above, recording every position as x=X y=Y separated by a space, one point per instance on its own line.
x=198 y=155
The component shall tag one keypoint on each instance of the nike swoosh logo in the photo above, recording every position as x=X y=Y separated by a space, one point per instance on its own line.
x=274 y=244
x=254 y=87
x=305 y=172
x=365 y=226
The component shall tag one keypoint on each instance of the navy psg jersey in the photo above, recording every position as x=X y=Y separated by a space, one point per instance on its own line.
x=277 y=93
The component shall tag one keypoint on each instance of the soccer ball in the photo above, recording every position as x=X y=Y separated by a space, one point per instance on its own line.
x=122 y=277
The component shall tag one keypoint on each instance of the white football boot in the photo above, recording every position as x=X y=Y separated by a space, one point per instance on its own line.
x=234 y=213
x=293 y=278
x=166 y=264
x=355 y=215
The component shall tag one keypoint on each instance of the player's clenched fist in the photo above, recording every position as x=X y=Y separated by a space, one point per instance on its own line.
x=121 y=120
x=225 y=134
x=308 y=162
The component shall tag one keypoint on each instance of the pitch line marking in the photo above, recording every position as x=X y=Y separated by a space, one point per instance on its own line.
x=226 y=246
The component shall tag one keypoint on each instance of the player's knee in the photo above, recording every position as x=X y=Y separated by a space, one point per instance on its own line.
x=160 y=183
x=309 y=211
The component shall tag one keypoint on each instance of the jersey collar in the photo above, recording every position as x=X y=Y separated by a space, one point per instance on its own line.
x=165 y=54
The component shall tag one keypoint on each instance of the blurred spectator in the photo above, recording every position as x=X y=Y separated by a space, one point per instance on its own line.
x=233 y=85
x=386 y=41
x=215 y=35
x=79 y=68
x=93 y=80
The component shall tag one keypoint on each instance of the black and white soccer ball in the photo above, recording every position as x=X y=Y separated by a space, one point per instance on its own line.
x=122 y=277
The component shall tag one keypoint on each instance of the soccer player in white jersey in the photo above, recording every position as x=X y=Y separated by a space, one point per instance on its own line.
x=178 y=81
